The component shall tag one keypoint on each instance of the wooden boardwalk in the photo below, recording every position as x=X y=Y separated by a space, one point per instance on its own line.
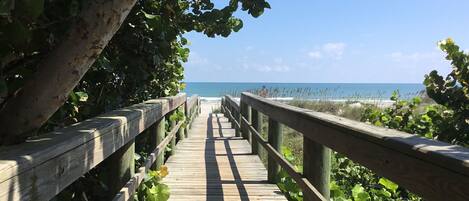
x=213 y=164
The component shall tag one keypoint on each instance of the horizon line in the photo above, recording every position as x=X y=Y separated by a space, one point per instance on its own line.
x=253 y=82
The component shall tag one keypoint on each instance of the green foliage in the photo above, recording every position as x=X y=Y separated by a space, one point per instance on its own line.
x=151 y=188
x=411 y=116
x=177 y=116
x=351 y=181
x=359 y=193
x=452 y=93
x=142 y=61
x=286 y=184
x=403 y=115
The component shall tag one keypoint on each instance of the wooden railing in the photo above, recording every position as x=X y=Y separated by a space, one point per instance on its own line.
x=41 y=168
x=431 y=169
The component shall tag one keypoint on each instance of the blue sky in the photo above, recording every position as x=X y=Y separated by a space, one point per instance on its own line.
x=345 y=41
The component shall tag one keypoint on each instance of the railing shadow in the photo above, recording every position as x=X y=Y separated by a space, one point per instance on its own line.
x=214 y=182
x=212 y=171
x=243 y=195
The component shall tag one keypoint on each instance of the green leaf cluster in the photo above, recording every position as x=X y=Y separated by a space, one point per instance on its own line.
x=407 y=115
x=144 y=59
x=152 y=189
x=452 y=93
x=286 y=184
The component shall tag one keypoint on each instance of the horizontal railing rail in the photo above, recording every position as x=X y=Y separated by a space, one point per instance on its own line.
x=41 y=168
x=432 y=169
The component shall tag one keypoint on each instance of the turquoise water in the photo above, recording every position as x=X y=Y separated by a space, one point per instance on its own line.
x=306 y=90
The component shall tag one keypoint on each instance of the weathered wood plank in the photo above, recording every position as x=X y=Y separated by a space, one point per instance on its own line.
x=432 y=169
x=41 y=168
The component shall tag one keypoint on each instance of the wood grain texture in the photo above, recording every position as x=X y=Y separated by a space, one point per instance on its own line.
x=432 y=169
x=214 y=164
x=40 y=168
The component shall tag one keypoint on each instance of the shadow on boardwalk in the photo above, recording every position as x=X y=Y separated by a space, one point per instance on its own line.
x=214 y=164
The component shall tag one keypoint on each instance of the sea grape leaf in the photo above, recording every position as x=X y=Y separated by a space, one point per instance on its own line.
x=162 y=192
x=388 y=184
x=359 y=193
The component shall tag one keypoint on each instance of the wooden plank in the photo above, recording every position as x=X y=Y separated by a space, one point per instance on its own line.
x=214 y=164
x=40 y=168
x=432 y=169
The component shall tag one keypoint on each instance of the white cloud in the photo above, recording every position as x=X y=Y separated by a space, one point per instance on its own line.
x=272 y=68
x=416 y=56
x=196 y=59
x=278 y=60
x=328 y=50
x=334 y=49
x=277 y=65
x=315 y=54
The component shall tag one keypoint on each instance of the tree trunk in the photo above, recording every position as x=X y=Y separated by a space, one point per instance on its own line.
x=62 y=69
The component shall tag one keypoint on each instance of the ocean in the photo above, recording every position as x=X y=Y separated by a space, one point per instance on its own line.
x=316 y=91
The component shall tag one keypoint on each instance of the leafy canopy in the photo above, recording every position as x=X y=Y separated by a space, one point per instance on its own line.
x=143 y=60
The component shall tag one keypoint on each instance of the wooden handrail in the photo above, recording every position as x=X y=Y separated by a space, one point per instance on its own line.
x=432 y=169
x=41 y=168
x=232 y=103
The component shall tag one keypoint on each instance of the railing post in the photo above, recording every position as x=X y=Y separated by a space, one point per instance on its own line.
x=157 y=135
x=222 y=104
x=234 y=113
x=256 y=122
x=198 y=106
x=230 y=109
x=275 y=140
x=120 y=167
x=237 y=129
x=181 y=129
x=188 y=115
x=317 y=166
x=172 y=145
x=246 y=113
